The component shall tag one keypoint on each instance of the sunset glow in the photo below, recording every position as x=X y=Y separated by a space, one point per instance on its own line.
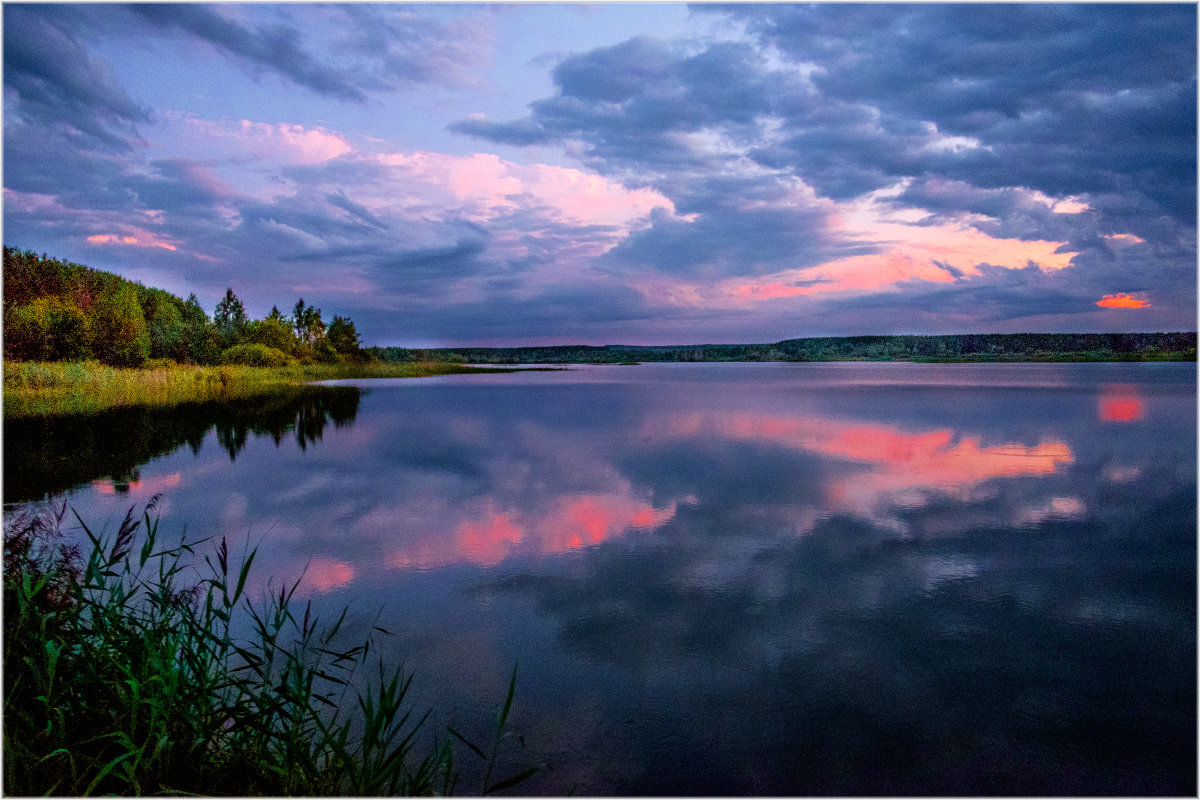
x=1122 y=300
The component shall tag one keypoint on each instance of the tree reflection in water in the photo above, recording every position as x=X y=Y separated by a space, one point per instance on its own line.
x=48 y=456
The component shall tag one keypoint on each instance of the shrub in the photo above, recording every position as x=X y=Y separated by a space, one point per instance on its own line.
x=256 y=355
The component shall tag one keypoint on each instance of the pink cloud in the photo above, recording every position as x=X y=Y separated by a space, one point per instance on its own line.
x=486 y=186
x=281 y=142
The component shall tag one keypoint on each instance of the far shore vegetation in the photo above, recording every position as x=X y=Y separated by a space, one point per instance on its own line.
x=79 y=340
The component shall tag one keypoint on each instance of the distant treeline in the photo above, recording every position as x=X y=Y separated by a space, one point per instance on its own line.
x=60 y=311
x=958 y=347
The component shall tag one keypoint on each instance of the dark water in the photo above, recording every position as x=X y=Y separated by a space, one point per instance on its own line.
x=731 y=578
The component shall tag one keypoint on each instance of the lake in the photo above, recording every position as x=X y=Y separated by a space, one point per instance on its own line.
x=727 y=579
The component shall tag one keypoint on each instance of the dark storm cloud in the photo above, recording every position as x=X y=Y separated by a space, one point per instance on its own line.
x=1070 y=98
x=51 y=80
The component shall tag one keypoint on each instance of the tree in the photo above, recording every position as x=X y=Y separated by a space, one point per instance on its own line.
x=230 y=318
x=166 y=327
x=122 y=337
x=307 y=322
x=271 y=332
x=344 y=338
x=200 y=344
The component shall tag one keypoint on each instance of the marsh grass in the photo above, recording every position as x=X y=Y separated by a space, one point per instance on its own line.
x=44 y=389
x=124 y=673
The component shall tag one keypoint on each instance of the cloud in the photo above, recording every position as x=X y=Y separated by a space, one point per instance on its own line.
x=365 y=49
x=278 y=143
x=1121 y=300
x=50 y=79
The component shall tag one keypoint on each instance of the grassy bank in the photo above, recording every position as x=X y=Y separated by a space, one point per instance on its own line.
x=125 y=674
x=40 y=389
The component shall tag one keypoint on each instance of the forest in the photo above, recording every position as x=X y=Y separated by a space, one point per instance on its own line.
x=957 y=347
x=57 y=310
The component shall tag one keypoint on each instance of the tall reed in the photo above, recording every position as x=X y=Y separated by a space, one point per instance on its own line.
x=40 y=389
x=122 y=675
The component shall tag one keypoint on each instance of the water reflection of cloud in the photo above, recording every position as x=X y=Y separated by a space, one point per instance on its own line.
x=141 y=487
x=899 y=468
x=1119 y=402
x=483 y=532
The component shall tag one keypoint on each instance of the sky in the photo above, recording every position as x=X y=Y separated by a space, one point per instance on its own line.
x=526 y=174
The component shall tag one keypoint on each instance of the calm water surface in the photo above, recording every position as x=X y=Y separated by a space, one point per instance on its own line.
x=731 y=578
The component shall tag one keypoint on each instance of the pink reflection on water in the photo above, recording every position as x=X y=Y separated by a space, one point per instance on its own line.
x=325 y=574
x=901 y=466
x=142 y=487
x=1119 y=402
x=483 y=534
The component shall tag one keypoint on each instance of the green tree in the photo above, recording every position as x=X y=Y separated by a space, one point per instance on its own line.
x=166 y=327
x=342 y=336
x=274 y=331
x=230 y=318
x=122 y=336
x=307 y=322
x=200 y=344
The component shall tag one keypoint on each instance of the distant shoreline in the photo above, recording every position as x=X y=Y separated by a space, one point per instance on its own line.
x=955 y=348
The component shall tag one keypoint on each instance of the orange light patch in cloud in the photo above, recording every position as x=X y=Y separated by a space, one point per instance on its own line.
x=938 y=253
x=1122 y=300
x=1124 y=238
x=1120 y=403
x=143 y=240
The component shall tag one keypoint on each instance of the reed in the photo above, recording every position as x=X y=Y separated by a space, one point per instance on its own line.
x=48 y=389
x=125 y=675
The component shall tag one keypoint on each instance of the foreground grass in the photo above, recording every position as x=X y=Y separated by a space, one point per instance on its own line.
x=36 y=389
x=123 y=677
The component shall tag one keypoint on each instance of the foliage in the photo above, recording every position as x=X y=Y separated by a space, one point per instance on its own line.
x=230 y=319
x=256 y=355
x=122 y=335
x=56 y=310
x=342 y=336
x=271 y=332
x=125 y=676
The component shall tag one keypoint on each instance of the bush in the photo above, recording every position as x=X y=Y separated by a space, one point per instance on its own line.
x=256 y=355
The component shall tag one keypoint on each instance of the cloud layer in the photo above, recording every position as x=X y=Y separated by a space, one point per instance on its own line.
x=780 y=171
